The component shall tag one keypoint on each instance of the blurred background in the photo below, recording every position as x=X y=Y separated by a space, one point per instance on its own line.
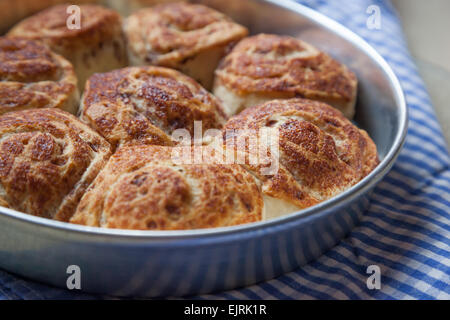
x=427 y=28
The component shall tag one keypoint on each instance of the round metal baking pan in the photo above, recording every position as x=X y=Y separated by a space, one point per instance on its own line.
x=176 y=263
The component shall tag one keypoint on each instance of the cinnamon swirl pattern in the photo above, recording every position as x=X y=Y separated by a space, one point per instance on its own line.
x=97 y=46
x=126 y=7
x=32 y=76
x=47 y=160
x=188 y=37
x=321 y=153
x=143 y=188
x=145 y=105
x=267 y=67
x=13 y=11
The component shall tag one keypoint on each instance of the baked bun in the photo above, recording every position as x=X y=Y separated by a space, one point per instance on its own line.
x=188 y=37
x=143 y=187
x=12 y=11
x=321 y=153
x=126 y=7
x=47 y=160
x=32 y=76
x=98 y=46
x=267 y=67
x=146 y=104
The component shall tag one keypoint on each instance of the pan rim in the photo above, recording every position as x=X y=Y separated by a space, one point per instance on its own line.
x=361 y=187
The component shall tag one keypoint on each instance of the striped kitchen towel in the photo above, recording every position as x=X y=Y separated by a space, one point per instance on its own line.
x=406 y=230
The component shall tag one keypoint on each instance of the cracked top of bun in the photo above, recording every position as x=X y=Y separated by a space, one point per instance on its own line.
x=287 y=67
x=50 y=25
x=47 y=160
x=32 y=76
x=321 y=153
x=170 y=33
x=143 y=188
x=146 y=104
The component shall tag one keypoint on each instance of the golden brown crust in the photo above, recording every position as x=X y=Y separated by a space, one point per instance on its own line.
x=47 y=160
x=321 y=153
x=285 y=67
x=99 y=44
x=50 y=25
x=32 y=76
x=167 y=34
x=143 y=188
x=146 y=104
x=12 y=11
x=127 y=7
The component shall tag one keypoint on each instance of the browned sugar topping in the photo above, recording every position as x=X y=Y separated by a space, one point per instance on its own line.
x=176 y=31
x=272 y=63
x=146 y=104
x=50 y=25
x=321 y=152
x=31 y=76
x=47 y=158
x=141 y=188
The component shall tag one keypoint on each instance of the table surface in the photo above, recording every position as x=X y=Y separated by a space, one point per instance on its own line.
x=426 y=25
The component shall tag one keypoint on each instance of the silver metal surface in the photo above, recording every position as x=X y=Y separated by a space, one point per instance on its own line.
x=175 y=263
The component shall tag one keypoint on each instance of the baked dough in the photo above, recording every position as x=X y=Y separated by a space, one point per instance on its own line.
x=188 y=37
x=126 y=7
x=12 y=11
x=32 y=76
x=116 y=168
x=98 y=46
x=47 y=160
x=146 y=104
x=321 y=153
x=266 y=67
x=143 y=188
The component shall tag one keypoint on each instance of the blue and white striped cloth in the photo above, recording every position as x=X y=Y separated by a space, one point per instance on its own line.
x=406 y=231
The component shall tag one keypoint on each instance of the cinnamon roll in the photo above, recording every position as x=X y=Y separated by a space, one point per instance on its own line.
x=146 y=104
x=266 y=67
x=97 y=46
x=32 y=76
x=47 y=160
x=12 y=11
x=142 y=187
x=188 y=37
x=319 y=153
x=126 y=7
